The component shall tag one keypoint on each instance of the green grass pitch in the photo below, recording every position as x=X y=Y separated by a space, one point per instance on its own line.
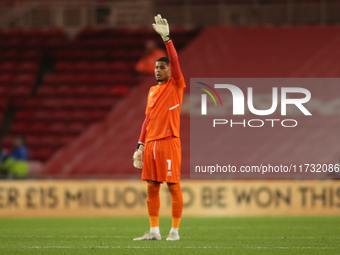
x=233 y=235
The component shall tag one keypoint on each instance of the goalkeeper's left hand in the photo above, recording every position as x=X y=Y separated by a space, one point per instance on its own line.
x=161 y=26
x=138 y=157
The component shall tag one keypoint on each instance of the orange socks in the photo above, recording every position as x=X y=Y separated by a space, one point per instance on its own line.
x=153 y=204
x=177 y=203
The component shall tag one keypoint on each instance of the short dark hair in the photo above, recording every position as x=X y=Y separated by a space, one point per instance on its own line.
x=164 y=59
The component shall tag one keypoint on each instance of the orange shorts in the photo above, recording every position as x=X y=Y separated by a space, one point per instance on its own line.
x=162 y=160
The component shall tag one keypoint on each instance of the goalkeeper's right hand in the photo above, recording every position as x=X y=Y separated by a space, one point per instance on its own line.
x=138 y=157
x=161 y=26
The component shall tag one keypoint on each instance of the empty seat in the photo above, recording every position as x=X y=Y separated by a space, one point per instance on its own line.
x=64 y=67
x=8 y=67
x=25 y=79
x=58 y=127
x=19 y=127
x=32 y=55
x=39 y=128
x=50 y=141
x=27 y=115
x=6 y=79
x=42 y=153
x=7 y=141
x=76 y=127
x=121 y=90
x=21 y=91
x=47 y=91
x=101 y=67
x=82 y=67
x=12 y=55
x=3 y=104
x=32 y=141
x=28 y=67
x=4 y=90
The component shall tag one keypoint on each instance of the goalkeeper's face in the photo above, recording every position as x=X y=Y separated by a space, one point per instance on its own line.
x=162 y=72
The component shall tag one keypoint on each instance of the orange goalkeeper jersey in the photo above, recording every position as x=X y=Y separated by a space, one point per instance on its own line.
x=163 y=109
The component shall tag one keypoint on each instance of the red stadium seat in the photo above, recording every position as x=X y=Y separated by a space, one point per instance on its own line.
x=76 y=127
x=66 y=139
x=106 y=103
x=120 y=66
x=15 y=43
x=52 y=79
x=42 y=153
x=25 y=80
x=33 y=43
x=7 y=141
x=32 y=141
x=64 y=67
x=99 y=55
x=3 y=104
x=54 y=32
x=32 y=55
x=81 y=91
x=58 y=128
x=27 y=115
x=62 y=115
x=39 y=128
x=101 y=67
x=19 y=127
x=6 y=79
x=102 y=90
x=15 y=32
x=87 y=32
x=97 y=115
x=82 y=67
x=28 y=67
x=21 y=91
x=64 y=55
x=50 y=141
x=8 y=67
x=35 y=32
x=27 y=103
x=12 y=55
x=4 y=90
x=121 y=90
x=79 y=115
x=67 y=79
x=52 y=44
x=45 y=115
x=47 y=91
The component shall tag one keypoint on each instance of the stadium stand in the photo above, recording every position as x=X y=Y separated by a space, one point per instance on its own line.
x=88 y=76
x=106 y=148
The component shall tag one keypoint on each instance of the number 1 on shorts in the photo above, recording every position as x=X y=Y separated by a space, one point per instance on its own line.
x=169 y=163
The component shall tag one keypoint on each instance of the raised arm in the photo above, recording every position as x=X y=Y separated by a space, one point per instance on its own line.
x=161 y=26
x=173 y=58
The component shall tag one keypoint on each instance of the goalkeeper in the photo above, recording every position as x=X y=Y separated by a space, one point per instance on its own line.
x=161 y=158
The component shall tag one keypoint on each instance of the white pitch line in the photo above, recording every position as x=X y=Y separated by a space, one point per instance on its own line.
x=49 y=236
x=171 y=247
x=91 y=228
x=290 y=237
x=212 y=237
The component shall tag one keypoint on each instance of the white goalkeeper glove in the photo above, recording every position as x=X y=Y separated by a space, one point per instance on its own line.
x=138 y=157
x=161 y=26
